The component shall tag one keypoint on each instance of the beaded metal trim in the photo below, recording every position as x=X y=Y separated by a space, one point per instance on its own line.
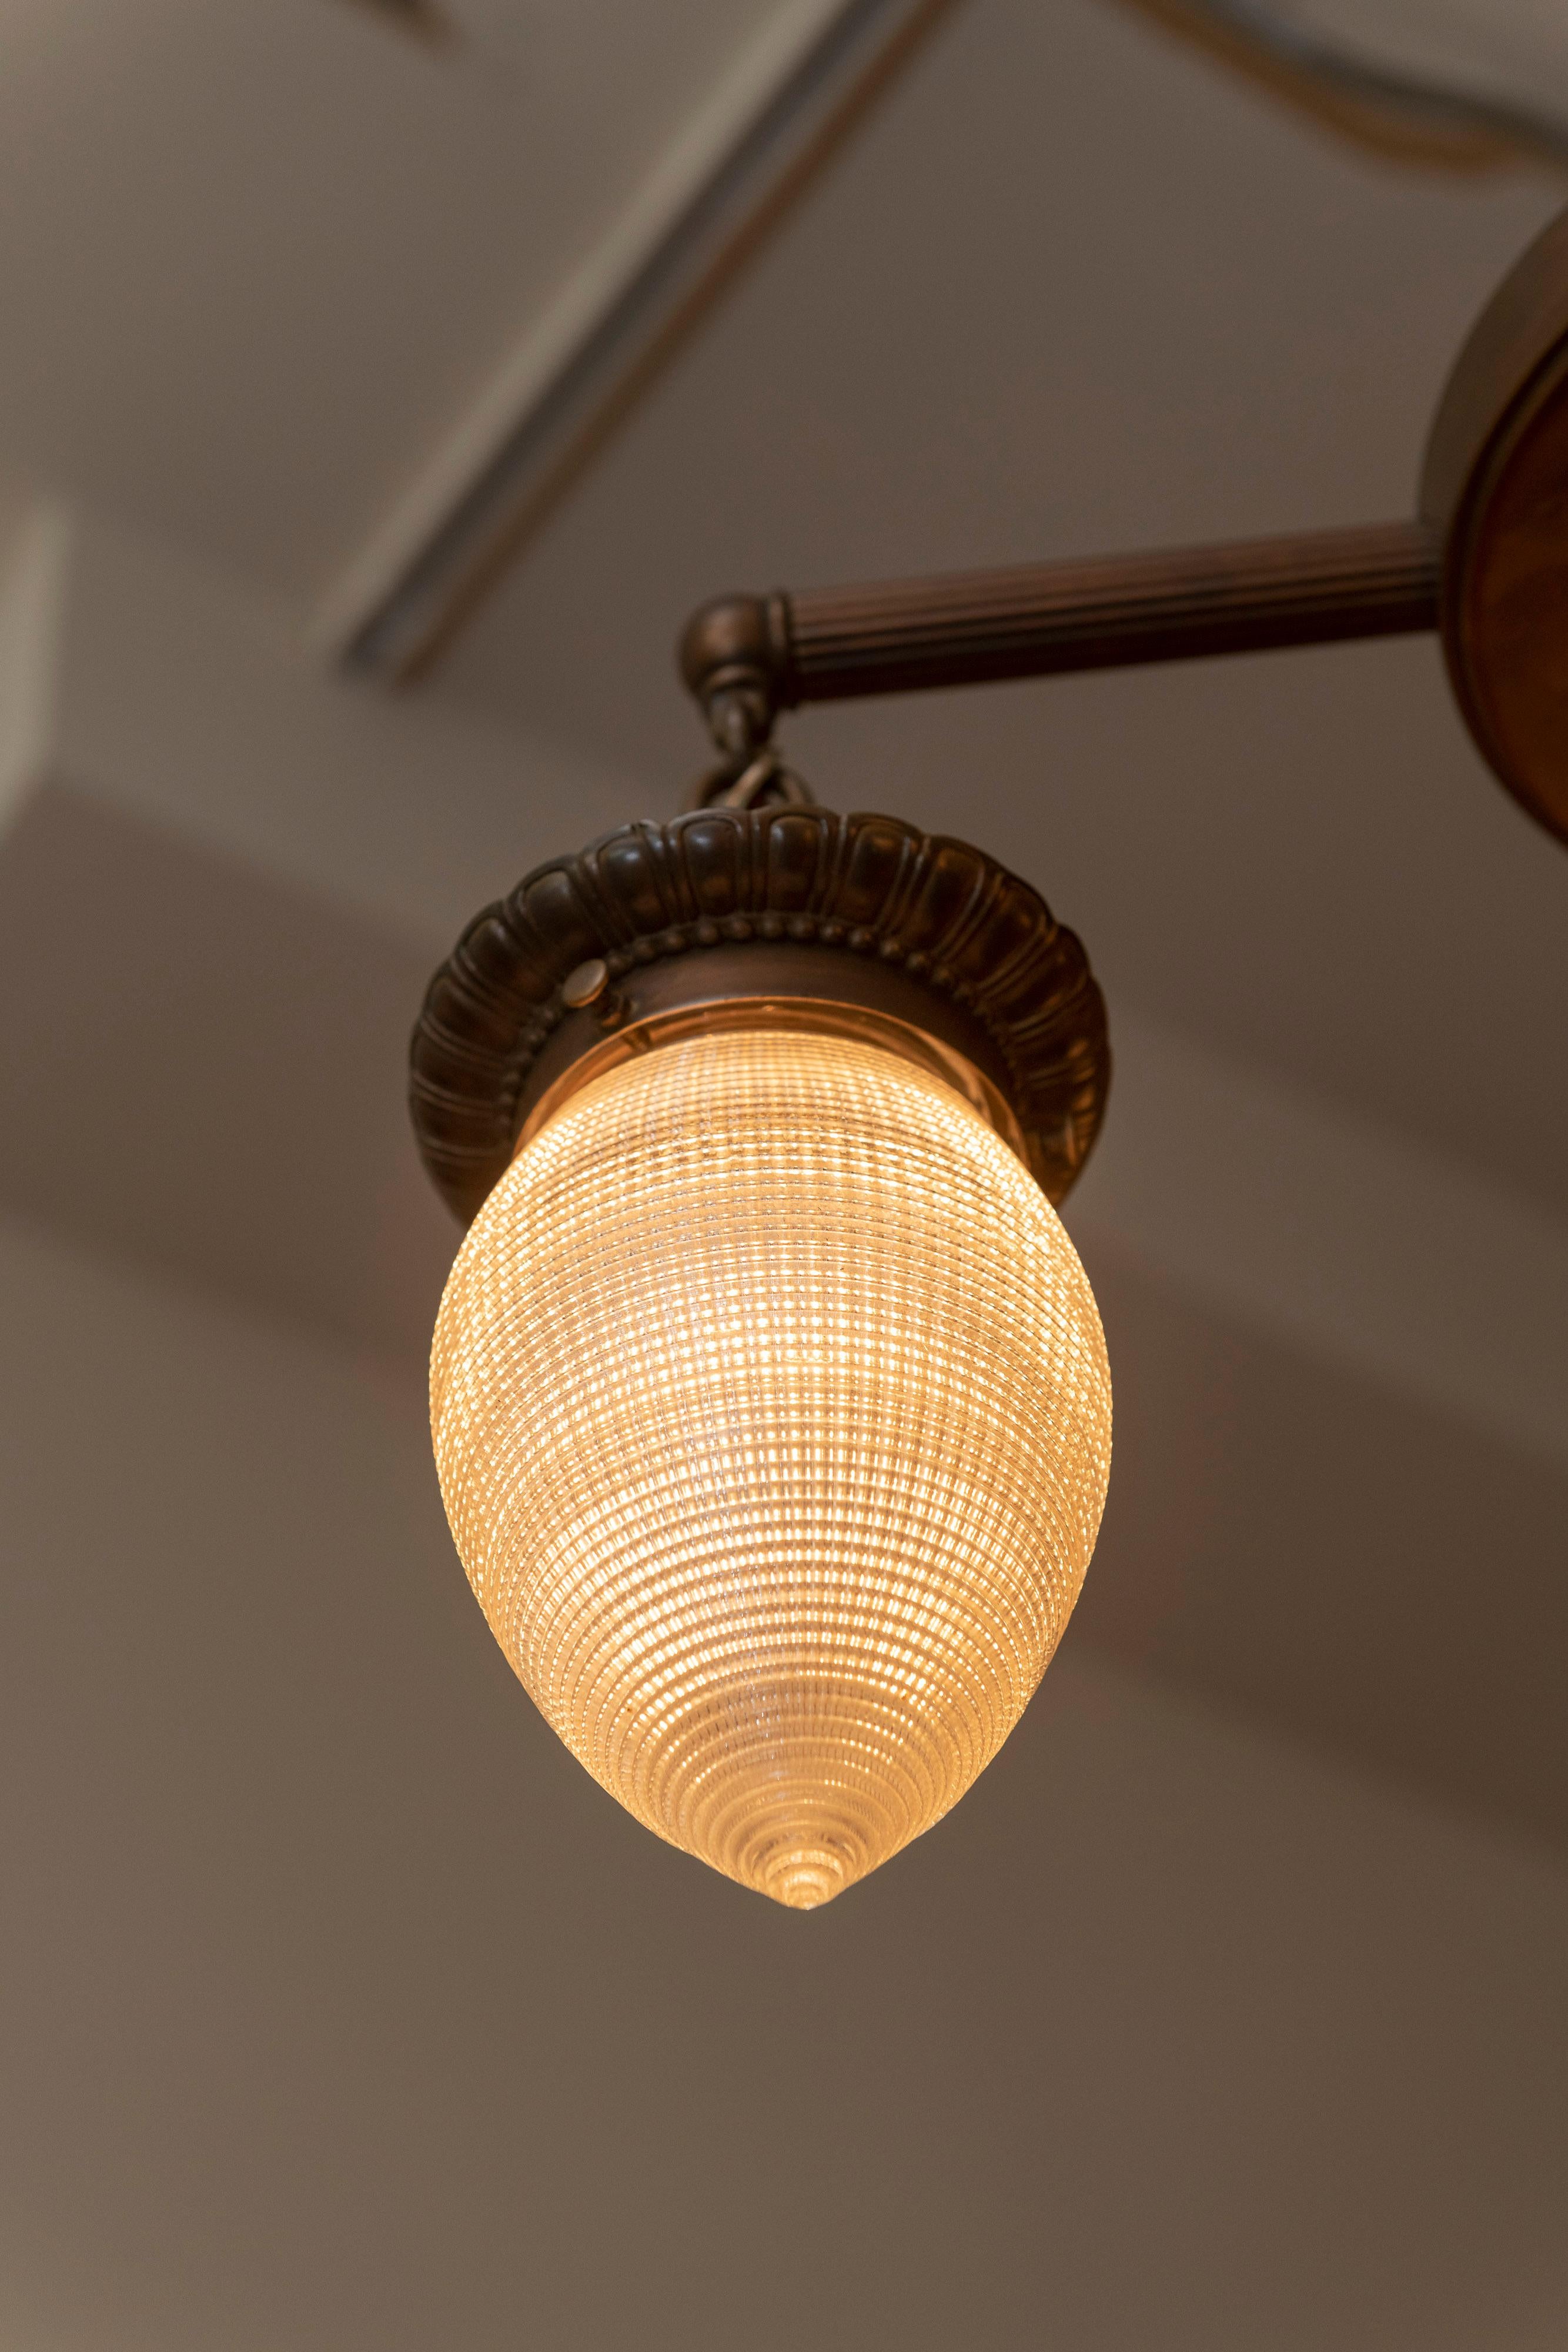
x=949 y=916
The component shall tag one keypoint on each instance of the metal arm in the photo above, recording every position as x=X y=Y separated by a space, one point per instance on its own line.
x=747 y=657
x=1487 y=563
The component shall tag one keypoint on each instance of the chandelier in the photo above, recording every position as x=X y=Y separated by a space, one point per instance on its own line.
x=769 y=1399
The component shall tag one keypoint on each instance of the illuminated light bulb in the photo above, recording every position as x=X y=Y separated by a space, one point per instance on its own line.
x=773 y=1423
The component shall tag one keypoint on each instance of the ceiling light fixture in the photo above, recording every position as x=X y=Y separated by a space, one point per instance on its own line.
x=769 y=1399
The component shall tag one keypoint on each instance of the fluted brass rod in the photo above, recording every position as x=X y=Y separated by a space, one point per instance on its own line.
x=749 y=657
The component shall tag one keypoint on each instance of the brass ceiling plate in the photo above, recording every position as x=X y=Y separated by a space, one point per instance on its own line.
x=1496 y=484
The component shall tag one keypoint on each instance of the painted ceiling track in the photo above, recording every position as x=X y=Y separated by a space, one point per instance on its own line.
x=739 y=165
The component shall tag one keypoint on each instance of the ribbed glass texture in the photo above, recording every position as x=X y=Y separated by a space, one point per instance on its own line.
x=773 y=1421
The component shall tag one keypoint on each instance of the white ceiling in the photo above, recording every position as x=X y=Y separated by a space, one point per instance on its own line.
x=1214 y=2044
x=1072 y=288
x=342 y=2013
x=253 y=257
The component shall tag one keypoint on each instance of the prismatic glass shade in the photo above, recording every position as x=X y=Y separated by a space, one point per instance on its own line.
x=773 y=1423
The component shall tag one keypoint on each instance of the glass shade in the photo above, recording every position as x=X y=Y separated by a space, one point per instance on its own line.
x=773 y=1423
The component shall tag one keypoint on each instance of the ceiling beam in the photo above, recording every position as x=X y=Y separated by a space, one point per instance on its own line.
x=750 y=151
